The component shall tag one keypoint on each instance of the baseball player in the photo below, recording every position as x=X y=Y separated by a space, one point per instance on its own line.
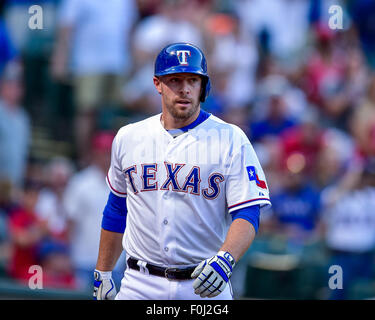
x=186 y=191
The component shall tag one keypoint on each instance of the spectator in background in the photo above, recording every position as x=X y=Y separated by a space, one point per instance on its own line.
x=306 y=139
x=276 y=116
x=284 y=21
x=15 y=128
x=350 y=231
x=54 y=249
x=50 y=206
x=58 y=271
x=273 y=80
x=333 y=159
x=230 y=44
x=233 y=76
x=154 y=32
x=323 y=75
x=93 y=46
x=296 y=207
x=362 y=123
x=34 y=241
x=357 y=76
x=26 y=234
x=34 y=47
x=85 y=198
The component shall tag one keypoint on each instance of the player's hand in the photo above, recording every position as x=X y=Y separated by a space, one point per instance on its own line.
x=212 y=275
x=104 y=286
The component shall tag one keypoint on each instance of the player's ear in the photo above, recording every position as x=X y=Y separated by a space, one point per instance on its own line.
x=157 y=84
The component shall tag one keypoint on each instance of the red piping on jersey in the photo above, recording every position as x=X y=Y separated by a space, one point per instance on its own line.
x=235 y=205
x=109 y=182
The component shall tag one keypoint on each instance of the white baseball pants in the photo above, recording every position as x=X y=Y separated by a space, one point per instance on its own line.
x=139 y=285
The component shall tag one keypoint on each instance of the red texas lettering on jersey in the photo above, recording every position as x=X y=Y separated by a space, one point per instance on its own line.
x=254 y=177
x=191 y=182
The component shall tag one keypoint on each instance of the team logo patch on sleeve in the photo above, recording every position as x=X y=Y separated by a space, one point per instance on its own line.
x=253 y=176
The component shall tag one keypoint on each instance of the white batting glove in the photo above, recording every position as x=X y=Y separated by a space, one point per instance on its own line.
x=104 y=287
x=212 y=275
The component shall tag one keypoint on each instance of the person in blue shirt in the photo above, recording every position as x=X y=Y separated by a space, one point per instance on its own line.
x=296 y=208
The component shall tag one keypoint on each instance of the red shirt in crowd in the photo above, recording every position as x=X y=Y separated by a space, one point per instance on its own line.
x=23 y=255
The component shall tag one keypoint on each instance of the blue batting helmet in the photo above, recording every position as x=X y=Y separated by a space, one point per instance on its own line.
x=183 y=58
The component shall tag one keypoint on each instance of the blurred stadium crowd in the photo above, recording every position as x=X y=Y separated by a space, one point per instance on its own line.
x=303 y=93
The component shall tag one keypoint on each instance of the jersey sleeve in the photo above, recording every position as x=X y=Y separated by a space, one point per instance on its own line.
x=115 y=177
x=246 y=182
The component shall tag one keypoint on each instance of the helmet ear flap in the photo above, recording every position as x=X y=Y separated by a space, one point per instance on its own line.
x=206 y=86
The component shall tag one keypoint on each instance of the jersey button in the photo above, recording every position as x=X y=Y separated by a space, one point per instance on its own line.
x=166 y=249
x=165 y=221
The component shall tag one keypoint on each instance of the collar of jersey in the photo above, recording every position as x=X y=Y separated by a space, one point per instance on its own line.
x=203 y=115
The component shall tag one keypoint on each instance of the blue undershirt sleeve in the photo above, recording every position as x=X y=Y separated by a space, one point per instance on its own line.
x=114 y=214
x=250 y=214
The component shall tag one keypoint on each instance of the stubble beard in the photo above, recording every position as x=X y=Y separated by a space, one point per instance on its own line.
x=183 y=115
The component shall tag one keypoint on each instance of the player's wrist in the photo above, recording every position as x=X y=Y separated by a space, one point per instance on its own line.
x=102 y=275
x=212 y=275
x=228 y=257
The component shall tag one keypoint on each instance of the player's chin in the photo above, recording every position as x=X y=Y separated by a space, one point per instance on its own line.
x=183 y=111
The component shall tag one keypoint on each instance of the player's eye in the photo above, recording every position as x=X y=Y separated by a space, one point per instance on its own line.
x=174 y=80
x=194 y=80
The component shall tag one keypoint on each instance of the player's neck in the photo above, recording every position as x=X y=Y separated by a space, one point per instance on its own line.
x=169 y=122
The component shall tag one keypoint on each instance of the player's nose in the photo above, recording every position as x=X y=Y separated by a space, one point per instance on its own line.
x=185 y=87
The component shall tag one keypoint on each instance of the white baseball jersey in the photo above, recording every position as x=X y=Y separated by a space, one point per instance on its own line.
x=181 y=191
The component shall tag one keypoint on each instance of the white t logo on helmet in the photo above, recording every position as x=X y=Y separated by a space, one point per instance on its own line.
x=182 y=57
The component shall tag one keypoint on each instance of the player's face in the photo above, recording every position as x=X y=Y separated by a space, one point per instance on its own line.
x=180 y=94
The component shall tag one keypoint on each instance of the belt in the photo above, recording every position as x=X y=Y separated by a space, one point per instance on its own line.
x=169 y=273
